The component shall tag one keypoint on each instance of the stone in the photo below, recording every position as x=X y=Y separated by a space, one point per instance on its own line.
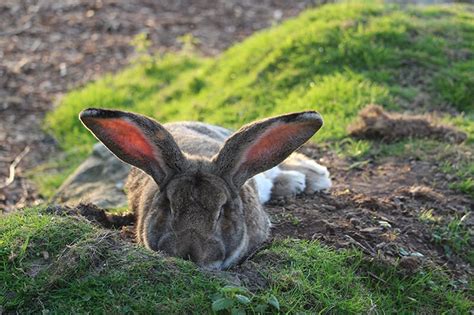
x=99 y=180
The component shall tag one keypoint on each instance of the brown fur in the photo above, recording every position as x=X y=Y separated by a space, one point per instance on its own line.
x=375 y=123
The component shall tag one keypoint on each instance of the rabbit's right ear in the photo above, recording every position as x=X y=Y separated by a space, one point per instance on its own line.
x=264 y=144
x=136 y=140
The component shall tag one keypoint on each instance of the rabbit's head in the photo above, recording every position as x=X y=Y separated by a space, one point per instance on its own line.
x=201 y=209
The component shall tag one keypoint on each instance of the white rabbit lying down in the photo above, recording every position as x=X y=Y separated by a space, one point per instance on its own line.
x=197 y=190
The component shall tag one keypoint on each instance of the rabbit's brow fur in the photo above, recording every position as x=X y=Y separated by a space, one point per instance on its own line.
x=201 y=204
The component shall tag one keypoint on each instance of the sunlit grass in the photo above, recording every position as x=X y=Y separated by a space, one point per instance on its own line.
x=63 y=264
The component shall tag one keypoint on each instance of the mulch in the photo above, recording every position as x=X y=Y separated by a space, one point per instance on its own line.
x=378 y=208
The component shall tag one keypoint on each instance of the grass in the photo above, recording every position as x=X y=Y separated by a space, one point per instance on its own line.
x=90 y=270
x=335 y=59
x=62 y=264
x=455 y=237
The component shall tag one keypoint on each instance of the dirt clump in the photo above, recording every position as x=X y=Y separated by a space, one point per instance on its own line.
x=375 y=123
x=95 y=215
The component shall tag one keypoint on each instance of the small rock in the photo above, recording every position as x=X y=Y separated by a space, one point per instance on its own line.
x=403 y=252
x=385 y=224
x=96 y=181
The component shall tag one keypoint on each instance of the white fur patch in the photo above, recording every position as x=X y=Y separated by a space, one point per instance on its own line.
x=318 y=181
x=318 y=168
x=264 y=187
x=296 y=181
x=322 y=181
x=272 y=173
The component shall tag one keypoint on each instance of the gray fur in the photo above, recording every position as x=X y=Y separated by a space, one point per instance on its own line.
x=201 y=209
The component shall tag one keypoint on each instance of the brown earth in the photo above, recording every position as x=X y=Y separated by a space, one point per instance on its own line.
x=48 y=47
x=389 y=208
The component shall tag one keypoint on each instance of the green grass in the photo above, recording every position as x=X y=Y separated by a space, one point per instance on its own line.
x=90 y=270
x=334 y=59
x=62 y=264
x=456 y=238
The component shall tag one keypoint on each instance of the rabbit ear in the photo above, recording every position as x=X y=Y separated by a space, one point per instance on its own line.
x=264 y=144
x=136 y=140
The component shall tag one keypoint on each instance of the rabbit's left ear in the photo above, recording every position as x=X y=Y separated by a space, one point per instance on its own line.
x=136 y=140
x=264 y=144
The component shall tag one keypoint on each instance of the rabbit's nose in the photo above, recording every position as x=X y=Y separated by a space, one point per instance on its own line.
x=189 y=246
x=189 y=252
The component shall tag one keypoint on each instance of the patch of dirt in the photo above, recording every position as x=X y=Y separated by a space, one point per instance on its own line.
x=379 y=209
x=48 y=47
x=375 y=123
x=95 y=215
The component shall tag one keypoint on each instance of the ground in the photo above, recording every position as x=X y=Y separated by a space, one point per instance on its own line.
x=398 y=220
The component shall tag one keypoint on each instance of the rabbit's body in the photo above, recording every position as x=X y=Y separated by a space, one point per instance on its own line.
x=200 y=189
x=200 y=142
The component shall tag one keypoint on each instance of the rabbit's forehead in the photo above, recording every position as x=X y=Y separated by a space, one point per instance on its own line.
x=205 y=187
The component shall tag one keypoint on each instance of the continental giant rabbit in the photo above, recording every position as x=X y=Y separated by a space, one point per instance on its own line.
x=197 y=190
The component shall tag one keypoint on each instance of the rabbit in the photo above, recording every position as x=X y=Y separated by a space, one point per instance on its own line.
x=194 y=187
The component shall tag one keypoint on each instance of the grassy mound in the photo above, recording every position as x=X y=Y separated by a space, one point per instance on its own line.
x=64 y=264
x=335 y=59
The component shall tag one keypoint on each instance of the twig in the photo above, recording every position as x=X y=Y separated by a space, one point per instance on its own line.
x=13 y=166
x=365 y=249
x=377 y=277
x=24 y=195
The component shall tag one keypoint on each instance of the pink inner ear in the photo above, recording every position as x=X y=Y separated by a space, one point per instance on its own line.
x=127 y=137
x=273 y=141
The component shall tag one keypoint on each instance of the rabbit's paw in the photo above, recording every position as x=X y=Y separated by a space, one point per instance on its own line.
x=317 y=176
x=289 y=183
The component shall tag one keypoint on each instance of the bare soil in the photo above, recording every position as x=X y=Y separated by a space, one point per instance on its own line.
x=48 y=47
x=378 y=208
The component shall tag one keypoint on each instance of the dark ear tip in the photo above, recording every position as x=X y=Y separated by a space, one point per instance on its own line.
x=100 y=113
x=90 y=113
x=312 y=116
